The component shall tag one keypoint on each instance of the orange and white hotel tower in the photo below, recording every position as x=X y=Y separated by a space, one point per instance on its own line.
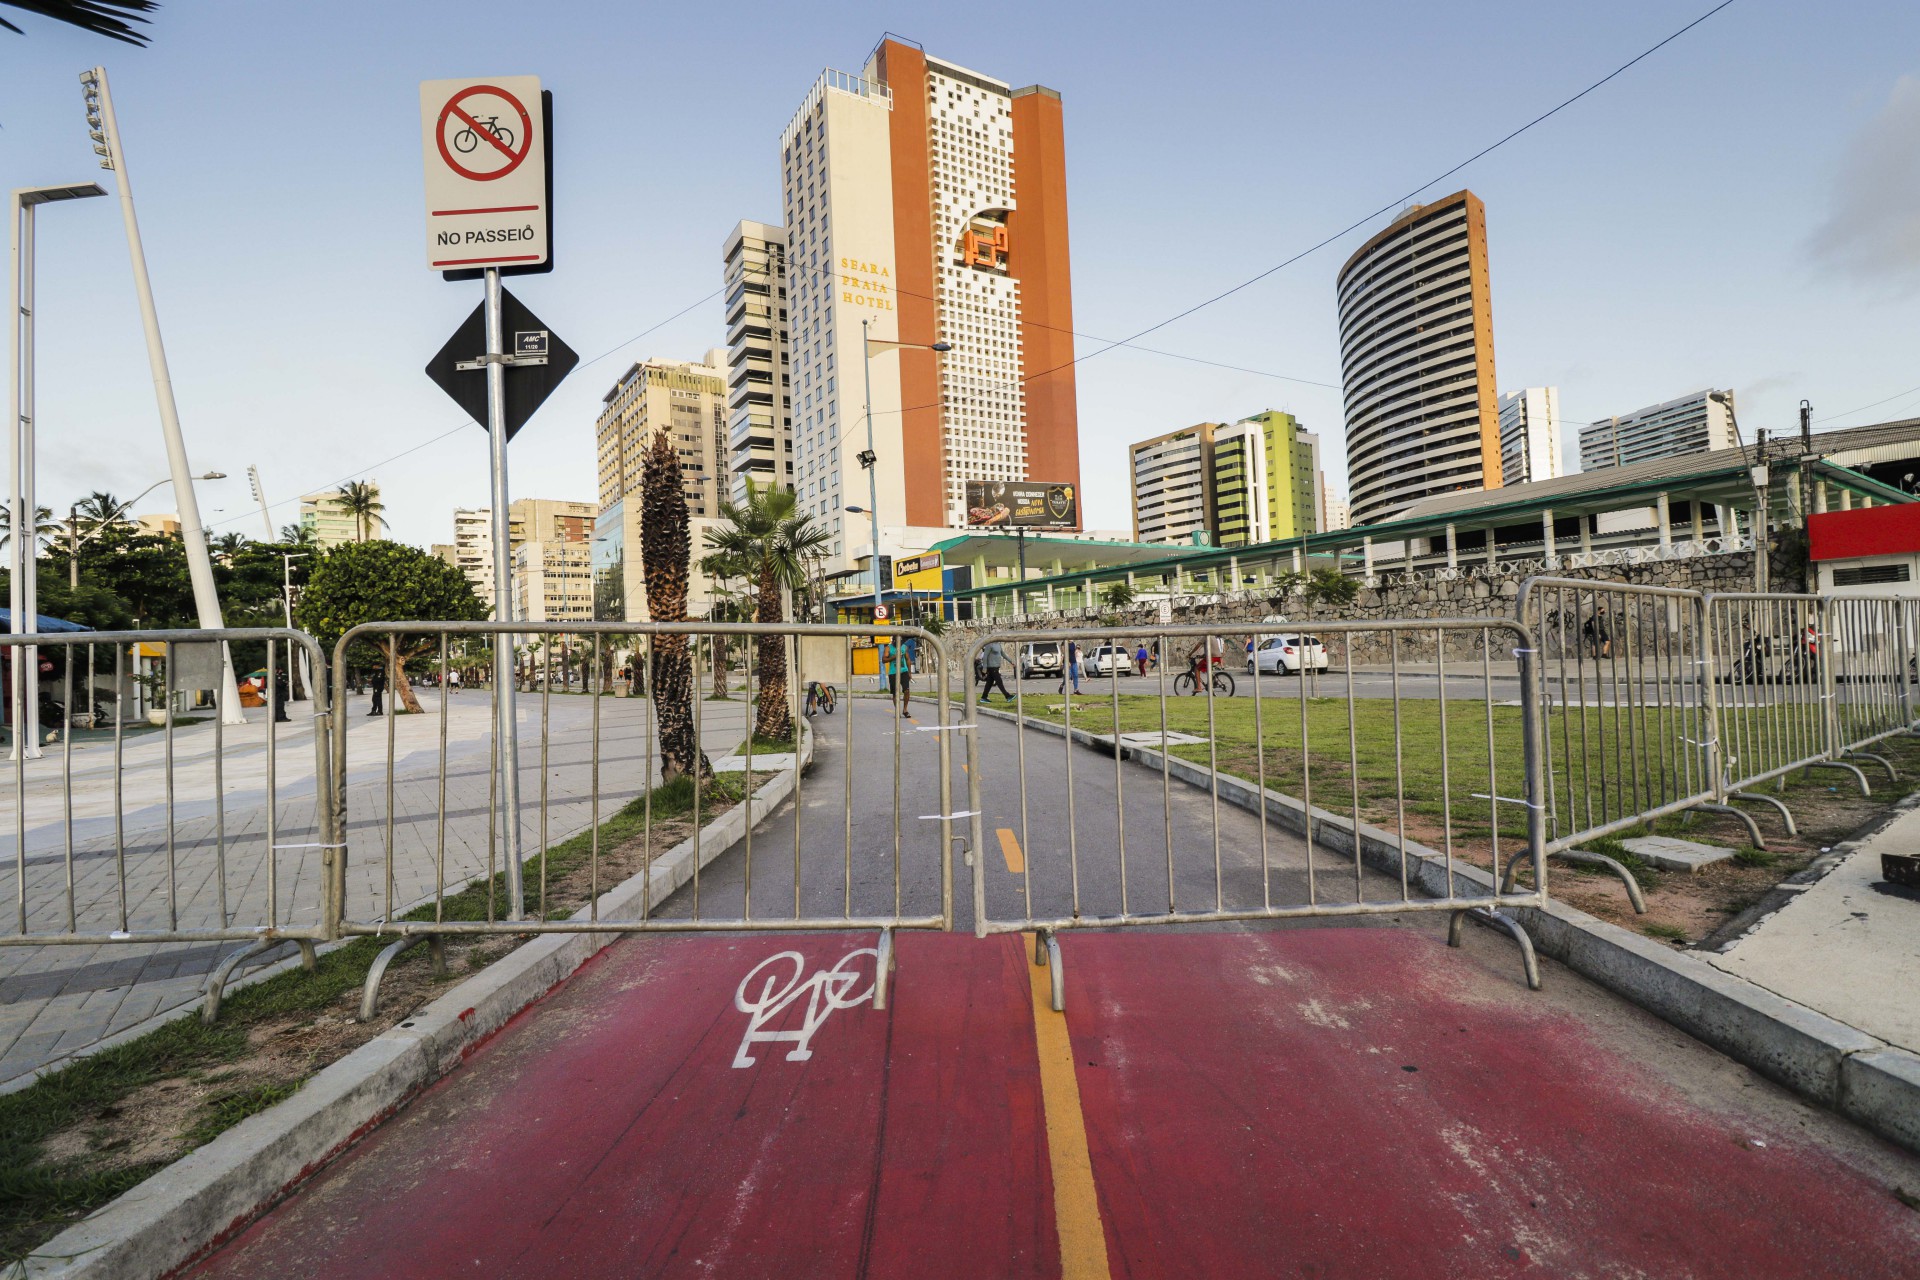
x=931 y=202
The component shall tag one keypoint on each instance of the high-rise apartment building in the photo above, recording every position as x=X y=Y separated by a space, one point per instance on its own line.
x=553 y=524
x=1416 y=360
x=759 y=385
x=1530 y=435
x=1173 y=485
x=1254 y=481
x=926 y=204
x=326 y=518
x=1690 y=424
x=686 y=399
x=1266 y=480
x=553 y=581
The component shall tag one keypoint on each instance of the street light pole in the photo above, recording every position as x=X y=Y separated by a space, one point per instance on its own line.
x=23 y=581
x=75 y=541
x=869 y=461
x=105 y=131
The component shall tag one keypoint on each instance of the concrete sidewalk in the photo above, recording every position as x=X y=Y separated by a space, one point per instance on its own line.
x=1848 y=944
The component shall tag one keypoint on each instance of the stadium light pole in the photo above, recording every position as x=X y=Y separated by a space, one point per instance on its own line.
x=23 y=560
x=104 y=129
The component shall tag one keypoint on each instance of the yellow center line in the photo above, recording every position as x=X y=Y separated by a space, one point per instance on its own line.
x=1076 y=1203
x=1010 y=850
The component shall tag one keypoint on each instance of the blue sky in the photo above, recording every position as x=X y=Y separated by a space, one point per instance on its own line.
x=1741 y=209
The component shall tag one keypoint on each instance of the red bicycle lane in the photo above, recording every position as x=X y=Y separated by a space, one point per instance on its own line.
x=1245 y=1102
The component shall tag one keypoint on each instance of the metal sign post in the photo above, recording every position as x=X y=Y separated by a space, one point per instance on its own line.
x=506 y=721
x=489 y=182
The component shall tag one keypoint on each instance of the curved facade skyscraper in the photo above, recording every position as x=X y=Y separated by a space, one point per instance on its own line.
x=1416 y=360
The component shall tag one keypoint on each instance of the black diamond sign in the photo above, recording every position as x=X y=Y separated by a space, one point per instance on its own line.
x=528 y=385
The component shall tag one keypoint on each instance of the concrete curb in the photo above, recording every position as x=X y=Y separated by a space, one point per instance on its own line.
x=1822 y=1059
x=197 y=1203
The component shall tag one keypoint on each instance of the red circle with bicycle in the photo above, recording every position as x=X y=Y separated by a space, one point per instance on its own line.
x=484 y=137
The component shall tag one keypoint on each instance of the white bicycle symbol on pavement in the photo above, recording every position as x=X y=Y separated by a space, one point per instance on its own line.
x=826 y=990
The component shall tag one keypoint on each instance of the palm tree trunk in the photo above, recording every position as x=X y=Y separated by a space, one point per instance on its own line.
x=665 y=549
x=774 y=721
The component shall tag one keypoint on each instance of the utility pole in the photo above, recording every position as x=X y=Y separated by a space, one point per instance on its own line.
x=105 y=131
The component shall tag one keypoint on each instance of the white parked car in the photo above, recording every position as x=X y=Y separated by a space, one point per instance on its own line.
x=1108 y=659
x=1040 y=662
x=1285 y=655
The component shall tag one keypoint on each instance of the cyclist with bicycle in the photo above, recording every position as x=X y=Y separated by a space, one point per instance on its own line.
x=1209 y=655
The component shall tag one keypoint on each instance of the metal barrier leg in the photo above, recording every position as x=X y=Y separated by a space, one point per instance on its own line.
x=1786 y=814
x=370 y=993
x=1494 y=920
x=1591 y=859
x=1893 y=774
x=1056 y=975
x=216 y=984
x=882 y=968
x=1858 y=776
x=1746 y=819
x=1588 y=858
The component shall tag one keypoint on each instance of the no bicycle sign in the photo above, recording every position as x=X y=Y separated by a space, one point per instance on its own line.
x=484 y=142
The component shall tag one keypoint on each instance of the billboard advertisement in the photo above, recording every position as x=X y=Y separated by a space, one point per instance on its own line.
x=1022 y=504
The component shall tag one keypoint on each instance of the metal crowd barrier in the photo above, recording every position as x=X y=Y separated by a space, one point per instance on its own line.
x=1774 y=691
x=1871 y=661
x=1368 y=785
x=847 y=850
x=147 y=855
x=1629 y=705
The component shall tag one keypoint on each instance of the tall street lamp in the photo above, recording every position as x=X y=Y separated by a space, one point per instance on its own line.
x=104 y=129
x=868 y=457
x=23 y=589
x=75 y=541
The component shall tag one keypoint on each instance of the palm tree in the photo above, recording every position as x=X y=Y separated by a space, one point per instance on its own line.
x=361 y=500
x=100 y=508
x=778 y=546
x=665 y=547
x=229 y=545
x=1117 y=595
x=729 y=605
x=44 y=525
x=107 y=18
x=296 y=535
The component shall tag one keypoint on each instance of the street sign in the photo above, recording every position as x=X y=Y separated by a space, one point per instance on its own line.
x=461 y=366
x=484 y=142
x=880 y=613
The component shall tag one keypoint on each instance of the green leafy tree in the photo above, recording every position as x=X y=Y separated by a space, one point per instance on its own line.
x=776 y=545
x=1117 y=595
x=666 y=550
x=385 y=582
x=1330 y=586
x=731 y=603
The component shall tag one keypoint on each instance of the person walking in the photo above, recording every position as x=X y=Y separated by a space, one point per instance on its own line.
x=453 y=681
x=281 y=693
x=993 y=660
x=1071 y=671
x=900 y=677
x=1142 y=660
x=379 y=683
